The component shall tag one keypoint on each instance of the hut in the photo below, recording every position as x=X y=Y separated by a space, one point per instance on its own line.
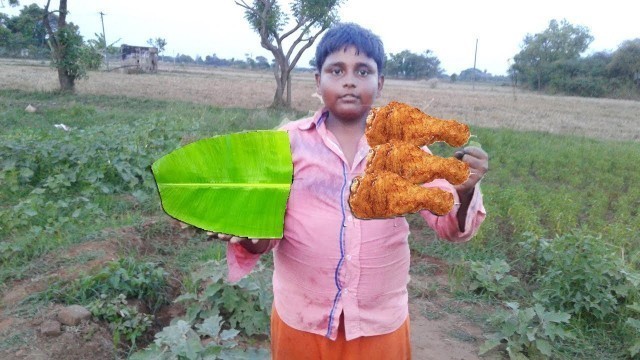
x=139 y=59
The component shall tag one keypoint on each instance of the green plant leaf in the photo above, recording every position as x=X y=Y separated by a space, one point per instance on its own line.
x=234 y=184
x=544 y=346
x=488 y=346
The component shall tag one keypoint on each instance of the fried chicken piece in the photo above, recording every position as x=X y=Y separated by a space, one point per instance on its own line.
x=399 y=121
x=384 y=195
x=416 y=165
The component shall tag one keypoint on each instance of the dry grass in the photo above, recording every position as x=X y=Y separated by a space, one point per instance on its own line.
x=486 y=106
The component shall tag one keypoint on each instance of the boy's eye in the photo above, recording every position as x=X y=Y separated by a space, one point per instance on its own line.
x=336 y=71
x=363 y=72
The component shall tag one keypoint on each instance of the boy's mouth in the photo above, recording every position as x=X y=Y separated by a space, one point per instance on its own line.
x=349 y=97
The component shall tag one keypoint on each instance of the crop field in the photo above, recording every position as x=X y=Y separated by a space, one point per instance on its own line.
x=490 y=106
x=554 y=271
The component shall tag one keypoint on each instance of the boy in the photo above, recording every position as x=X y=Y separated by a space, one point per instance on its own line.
x=340 y=283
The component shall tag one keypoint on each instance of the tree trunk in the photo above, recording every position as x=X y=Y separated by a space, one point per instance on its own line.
x=67 y=82
x=58 y=47
x=289 y=88
x=282 y=84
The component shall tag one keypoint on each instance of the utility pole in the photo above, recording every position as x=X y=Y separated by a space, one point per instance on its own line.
x=475 y=56
x=104 y=37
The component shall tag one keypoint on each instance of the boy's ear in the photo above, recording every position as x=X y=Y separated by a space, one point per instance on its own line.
x=317 y=74
x=380 y=83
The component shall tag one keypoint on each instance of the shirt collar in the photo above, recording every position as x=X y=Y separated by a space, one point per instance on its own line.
x=318 y=118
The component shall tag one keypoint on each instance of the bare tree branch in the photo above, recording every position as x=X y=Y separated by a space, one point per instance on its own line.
x=47 y=26
x=267 y=19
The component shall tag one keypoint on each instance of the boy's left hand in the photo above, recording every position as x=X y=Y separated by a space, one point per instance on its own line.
x=478 y=161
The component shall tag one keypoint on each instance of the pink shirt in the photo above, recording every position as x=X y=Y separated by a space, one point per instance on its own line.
x=328 y=261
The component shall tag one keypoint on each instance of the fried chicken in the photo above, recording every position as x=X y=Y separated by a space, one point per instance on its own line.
x=401 y=122
x=415 y=165
x=384 y=194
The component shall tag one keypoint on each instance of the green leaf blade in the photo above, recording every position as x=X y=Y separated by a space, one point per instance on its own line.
x=236 y=184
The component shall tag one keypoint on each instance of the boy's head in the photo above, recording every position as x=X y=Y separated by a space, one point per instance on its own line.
x=344 y=35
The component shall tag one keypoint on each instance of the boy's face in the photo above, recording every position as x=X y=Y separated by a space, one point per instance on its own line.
x=349 y=82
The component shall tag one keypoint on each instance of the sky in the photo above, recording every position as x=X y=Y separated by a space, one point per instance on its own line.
x=450 y=29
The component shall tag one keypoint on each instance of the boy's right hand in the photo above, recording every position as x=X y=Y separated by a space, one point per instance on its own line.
x=254 y=246
x=230 y=238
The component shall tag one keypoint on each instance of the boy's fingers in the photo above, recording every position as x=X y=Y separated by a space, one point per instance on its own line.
x=230 y=238
x=237 y=239
x=224 y=237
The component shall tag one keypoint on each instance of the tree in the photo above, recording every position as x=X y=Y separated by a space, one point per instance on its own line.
x=30 y=26
x=66 y=47
x=158 y=43
x=625 y=63
x=310 y=18
x=560 y=42
x=25 y=31
x=262 y=62
x=11 y=2
x=413 y=66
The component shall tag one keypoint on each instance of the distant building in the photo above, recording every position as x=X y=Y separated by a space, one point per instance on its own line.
x=139 y=59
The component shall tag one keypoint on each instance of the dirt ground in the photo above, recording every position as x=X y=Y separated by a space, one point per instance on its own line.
x=441 y=328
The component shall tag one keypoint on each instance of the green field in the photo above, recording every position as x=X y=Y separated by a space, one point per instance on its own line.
x=562 y=210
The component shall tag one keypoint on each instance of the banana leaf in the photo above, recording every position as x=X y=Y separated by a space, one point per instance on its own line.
x=234 y=184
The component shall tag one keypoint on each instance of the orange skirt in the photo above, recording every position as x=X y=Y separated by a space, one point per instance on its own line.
x=288 y=343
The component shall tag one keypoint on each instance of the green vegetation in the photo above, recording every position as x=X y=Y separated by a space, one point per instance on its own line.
x=550 y=61
x=59 y=187
x=216 y=311
x=560 y=239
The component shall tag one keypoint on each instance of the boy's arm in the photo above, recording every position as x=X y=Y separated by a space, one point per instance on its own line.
x=243 y=254
x=463 y=222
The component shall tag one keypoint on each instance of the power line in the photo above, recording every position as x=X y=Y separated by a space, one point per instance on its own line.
x=104 y=37
x=475 y=56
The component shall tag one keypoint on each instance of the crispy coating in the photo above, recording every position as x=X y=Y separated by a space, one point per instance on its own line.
x=415 y=165
x=401 y=122
x=384 y=194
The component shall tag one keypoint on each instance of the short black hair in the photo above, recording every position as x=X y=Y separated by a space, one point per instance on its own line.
x=348 y=34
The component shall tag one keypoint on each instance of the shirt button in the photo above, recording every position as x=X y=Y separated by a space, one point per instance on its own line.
x=350 y=218
x=346 y=291
x=348 y=257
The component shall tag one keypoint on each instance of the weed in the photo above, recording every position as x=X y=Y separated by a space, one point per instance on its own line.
x=15 y=340
x=216 y=312
x=126 y=322
x=529 y=332
x=491 y=278
x=462 y=335
x=582 y=275
x=126 y=277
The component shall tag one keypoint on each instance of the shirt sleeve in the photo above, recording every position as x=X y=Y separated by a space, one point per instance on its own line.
x=240 y=262
x=446 y=226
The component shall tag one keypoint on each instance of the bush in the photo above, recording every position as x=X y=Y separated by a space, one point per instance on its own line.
x=491 y=278
x=217 y=312
x=90 y=58
x=126 y=277
x=582 y=275
x=528 y=333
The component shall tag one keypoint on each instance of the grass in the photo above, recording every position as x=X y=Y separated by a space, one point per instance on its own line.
x=62 y=188
x=550 y=184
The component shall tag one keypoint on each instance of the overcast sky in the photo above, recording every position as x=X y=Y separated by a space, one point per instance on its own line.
x=448 y=28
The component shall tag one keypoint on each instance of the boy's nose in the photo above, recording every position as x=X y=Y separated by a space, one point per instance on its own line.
x=349 y=81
